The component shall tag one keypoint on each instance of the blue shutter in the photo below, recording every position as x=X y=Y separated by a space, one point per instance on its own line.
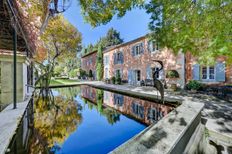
x=148 y=46
x=115 y=58
x=196 y=72
x=133 y=50
x=129 y=76
x=142 y=47
x=220 y=72
x=121 y=58
x=148 y=72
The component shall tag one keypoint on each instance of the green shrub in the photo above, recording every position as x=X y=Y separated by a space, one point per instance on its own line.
x=90 y=73
x=113 y=80
x=194 y=85
x=118 y=78
x=172 y=74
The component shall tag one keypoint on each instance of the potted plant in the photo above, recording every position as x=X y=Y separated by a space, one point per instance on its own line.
x=172 y=75
x=193 y=85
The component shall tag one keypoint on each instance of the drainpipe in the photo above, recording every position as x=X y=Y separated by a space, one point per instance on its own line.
x=14 y=65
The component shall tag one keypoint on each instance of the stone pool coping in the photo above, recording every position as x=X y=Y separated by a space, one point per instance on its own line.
x=9 y=120
x=169 y=135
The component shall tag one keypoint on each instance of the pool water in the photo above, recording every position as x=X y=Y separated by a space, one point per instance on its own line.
x=89 y=120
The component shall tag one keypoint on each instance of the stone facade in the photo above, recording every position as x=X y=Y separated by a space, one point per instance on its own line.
x=88 y=62
x=134 y=61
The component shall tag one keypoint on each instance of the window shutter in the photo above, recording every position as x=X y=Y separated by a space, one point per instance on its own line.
x=133 y=51
x=149 y=46
x=148 y=70
x=121 y=57
x=220 y=72
x=129 y=77
x=196 y=72
x=141 y=47
x=115 y=58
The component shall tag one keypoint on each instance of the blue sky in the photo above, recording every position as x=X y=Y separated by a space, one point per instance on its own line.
x=134 y=24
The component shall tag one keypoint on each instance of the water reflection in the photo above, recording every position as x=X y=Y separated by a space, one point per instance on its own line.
x=88 y=120
x=54 y=123
x=142 y=110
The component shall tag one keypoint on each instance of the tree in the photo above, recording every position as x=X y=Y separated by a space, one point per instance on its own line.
x=112 y=38
x=99 y=63
x=60 y=39
x=202 y=27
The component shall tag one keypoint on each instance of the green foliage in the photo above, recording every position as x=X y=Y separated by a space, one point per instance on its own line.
x=90 y=73
x=172 y=74
x=99 y=63
x=200 y=27
x=83 y=73
x=73 y=73
x=113 y=79
x=194 y=85
x=118 y=79
x=112 y=38
x=101 y=11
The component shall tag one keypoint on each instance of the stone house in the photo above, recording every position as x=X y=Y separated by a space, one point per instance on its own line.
x=88 y=63
x=133 y=60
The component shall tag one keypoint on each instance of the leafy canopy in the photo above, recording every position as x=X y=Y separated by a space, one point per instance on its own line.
x=202 y=27
x=61 y=39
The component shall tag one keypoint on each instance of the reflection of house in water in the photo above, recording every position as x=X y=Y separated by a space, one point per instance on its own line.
x=89 y=93
x=144 y=111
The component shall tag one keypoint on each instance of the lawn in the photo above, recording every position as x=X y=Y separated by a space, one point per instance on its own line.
x=55 y=82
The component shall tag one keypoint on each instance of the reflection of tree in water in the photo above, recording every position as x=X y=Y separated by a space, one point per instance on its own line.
x=54 y=123
x=70 y=92
x=111 y=115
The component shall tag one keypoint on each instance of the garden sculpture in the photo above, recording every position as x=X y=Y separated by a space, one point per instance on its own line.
x=157 y=83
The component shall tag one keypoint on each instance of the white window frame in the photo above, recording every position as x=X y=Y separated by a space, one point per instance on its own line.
x=156 y=47
x=208 y=73
x=137 y=49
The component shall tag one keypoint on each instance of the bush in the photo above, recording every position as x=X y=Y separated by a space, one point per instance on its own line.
x=172 y=74
x=90 y=73
x=113 y=80
x=118 y=79
x=194 y=85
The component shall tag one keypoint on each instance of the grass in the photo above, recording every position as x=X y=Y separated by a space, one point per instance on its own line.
x=55 y=82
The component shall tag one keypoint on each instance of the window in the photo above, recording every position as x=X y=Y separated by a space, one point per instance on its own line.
x=204 y=72
x=211 y=72
x=155 y=46
x=118 y=56
x=208 y=73
x=106 y=60
x=157 y=75
x=137 y=49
